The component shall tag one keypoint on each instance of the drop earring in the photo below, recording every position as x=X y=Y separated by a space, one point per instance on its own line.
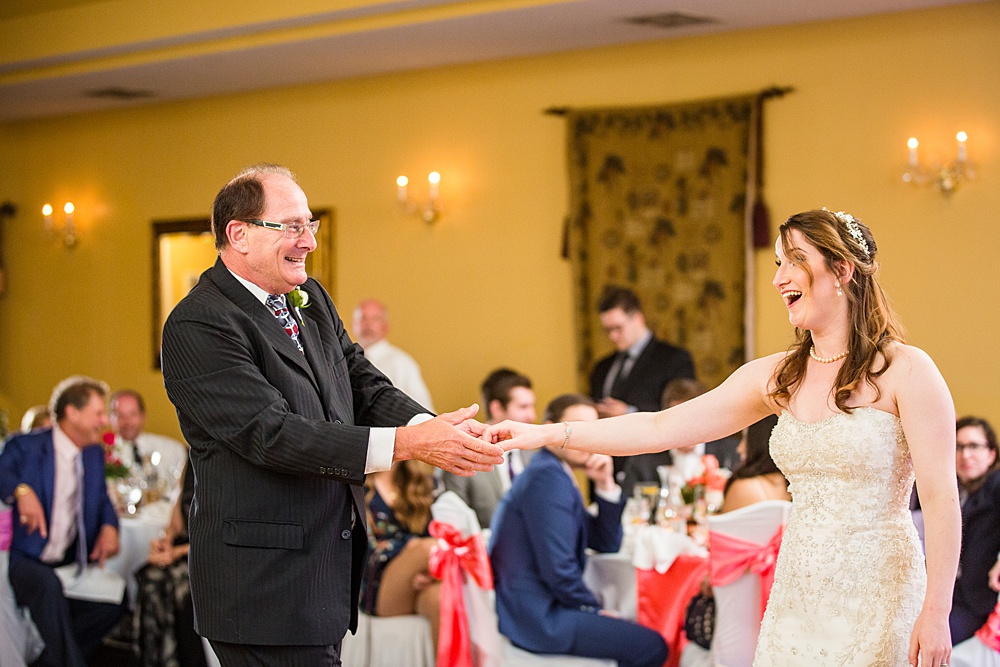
x=840 y=292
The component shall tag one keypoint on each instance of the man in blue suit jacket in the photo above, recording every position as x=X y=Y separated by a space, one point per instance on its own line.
x=39 y=474
x=537 y=549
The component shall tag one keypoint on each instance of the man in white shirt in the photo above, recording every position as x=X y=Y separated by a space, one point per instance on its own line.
x=371 y=325
x=152 y=452
x=54 y=479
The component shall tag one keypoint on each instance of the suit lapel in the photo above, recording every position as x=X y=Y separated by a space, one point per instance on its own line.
x=261 y=316
x=316 y=357
x=641 y=362
x=48 y=473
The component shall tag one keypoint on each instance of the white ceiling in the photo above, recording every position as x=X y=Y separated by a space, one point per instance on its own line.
x=363 y=39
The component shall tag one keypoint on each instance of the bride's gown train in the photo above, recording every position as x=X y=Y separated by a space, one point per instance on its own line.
x=850 y=577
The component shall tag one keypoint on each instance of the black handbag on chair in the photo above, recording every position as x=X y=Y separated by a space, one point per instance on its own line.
x=699 y=620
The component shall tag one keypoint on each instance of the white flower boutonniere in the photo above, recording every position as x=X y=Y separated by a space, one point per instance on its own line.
x=299 y=298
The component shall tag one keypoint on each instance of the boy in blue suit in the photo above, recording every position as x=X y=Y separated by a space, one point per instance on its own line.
x=539 y=536
x=41 y=475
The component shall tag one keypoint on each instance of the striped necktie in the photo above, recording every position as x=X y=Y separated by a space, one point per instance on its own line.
x=276 y=302
x=81 y=526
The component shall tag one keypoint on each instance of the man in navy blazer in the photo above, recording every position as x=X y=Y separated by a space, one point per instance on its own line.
x=537 y=549
x=284 y=416
x=40 y=478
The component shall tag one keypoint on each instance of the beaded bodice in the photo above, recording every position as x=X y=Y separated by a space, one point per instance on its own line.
x=850 y=577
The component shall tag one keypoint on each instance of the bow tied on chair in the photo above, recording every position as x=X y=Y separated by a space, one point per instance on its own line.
x=449 y=559
x=731 y=557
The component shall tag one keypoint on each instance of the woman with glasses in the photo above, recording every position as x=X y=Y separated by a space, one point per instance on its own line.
x=979 y=490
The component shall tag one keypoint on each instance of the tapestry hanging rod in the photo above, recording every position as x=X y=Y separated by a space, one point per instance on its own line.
x=766 y=93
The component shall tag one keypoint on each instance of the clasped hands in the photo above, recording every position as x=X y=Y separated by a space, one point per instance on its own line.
x=457 y=443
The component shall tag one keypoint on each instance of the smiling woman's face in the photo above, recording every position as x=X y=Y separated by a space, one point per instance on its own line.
x=806 y=284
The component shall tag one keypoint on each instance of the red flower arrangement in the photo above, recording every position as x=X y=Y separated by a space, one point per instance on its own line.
x=113 y=466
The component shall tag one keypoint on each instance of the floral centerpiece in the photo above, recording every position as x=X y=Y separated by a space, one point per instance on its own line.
x=113 y=466
x=709 y=485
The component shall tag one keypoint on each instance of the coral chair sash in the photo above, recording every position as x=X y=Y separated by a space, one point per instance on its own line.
x=989 y=634
x=731 y=557
x=452 y=556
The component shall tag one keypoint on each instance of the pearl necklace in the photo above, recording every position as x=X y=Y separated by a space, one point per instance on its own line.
x=825 y=360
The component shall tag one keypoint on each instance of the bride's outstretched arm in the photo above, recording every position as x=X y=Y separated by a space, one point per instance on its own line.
x=928 y=416
x=733 y=405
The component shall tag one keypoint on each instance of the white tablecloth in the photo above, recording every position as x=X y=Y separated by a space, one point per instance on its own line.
x=135 y=533
x=612 y=579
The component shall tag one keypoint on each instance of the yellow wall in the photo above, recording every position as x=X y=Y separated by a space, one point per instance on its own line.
x=485 y=285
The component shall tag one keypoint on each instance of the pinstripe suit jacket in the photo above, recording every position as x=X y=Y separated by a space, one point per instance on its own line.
x=278 y=448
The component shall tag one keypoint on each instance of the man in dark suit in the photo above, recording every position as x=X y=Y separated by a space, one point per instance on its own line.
x=55 y=479
x=284 y=416
x=537 y=549
x=633 y=378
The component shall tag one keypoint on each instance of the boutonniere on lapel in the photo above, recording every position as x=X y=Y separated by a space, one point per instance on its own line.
x=299 y=298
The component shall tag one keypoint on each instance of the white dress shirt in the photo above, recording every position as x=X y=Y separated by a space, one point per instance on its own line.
x=381 y=440
x=62 y=521
x=401 y=368
x=688 y=465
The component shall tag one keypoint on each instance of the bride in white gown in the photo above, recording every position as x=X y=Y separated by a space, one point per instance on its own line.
x=860 y=414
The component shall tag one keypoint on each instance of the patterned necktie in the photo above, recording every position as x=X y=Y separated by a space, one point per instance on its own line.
x=81 y=527
x=276 y=302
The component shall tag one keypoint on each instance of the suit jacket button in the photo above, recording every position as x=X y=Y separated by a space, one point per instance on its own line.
x=345 y=534
x=322 y=470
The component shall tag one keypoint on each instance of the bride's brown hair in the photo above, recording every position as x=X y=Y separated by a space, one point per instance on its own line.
x=873 y=325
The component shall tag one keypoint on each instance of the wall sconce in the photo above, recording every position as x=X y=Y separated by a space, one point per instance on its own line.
x=431 y=211
x=68 y=230
x=946 y=177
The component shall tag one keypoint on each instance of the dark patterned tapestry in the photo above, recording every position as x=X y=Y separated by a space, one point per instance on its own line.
x=658 y=204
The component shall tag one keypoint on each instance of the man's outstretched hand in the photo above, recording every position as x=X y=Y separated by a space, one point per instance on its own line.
x=449 y=441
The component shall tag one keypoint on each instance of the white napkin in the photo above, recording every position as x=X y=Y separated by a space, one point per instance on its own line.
x=656 y=548
x=94 y=584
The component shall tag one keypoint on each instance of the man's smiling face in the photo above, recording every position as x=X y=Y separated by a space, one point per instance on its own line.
x=275 y=262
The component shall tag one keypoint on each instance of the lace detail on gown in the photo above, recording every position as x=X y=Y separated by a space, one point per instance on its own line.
x=850 y=577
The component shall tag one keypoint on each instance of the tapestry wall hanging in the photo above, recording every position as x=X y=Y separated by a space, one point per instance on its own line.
x=659 y=204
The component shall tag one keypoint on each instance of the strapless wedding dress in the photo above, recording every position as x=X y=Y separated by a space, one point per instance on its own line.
x=850 y=577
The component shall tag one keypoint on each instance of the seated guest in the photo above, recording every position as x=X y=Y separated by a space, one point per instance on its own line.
x=506 y=395
x=159 y=456
x=759 y=478
x=55 y=477
x=37 y=416
x=397 y=581
x=537 y=549
x=979 y=490
x=683 y=461
x=164 y=616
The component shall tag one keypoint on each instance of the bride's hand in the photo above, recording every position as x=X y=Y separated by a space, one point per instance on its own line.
x=517 y=435
x=931 y=640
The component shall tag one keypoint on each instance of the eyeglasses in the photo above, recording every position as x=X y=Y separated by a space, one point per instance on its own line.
x=971 y=446
x=292 y=230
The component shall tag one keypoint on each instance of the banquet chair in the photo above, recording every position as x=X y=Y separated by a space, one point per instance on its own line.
x=389 y=641
x=737 y=605
x=489 y=647
x=20 y=642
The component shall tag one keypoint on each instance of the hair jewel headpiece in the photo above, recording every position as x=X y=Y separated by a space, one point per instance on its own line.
x=853 y=229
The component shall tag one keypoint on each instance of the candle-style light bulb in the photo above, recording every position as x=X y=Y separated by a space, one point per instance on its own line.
x=962 y=138
x=70 y=229
x=433 y=179
x=47 y=217
x=401 y=184
x=913 y=143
